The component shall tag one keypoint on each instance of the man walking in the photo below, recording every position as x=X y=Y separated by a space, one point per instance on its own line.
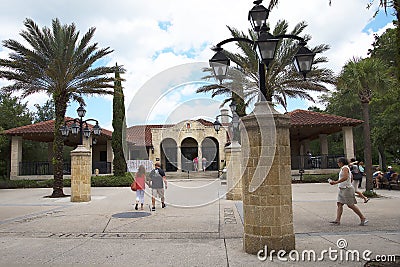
x=157 y=181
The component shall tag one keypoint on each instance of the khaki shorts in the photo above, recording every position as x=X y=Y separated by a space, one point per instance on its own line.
x=346 y=196
x=157 y=192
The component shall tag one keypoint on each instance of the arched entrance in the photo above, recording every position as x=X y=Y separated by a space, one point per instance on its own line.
x=189 y=150
x=169 y=152
x=210 y=151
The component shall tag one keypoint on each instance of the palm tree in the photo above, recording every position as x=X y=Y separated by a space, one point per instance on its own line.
x=364 y=77
x=282 y=79
x=61 y=66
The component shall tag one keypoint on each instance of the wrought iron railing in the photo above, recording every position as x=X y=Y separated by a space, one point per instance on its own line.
x=307 y=162
x=103 y=167
x=46 y=168
x=41 y=168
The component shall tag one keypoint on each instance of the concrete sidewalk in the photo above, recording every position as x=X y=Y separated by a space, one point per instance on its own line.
x=198 y=227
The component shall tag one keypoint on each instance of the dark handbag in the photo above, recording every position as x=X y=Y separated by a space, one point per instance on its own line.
x=133 y=186
x=357 y=176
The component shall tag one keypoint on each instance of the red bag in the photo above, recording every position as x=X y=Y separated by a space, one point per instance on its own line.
x=133 y=186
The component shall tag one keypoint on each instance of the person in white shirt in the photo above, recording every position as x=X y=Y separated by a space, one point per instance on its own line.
x=346 y=193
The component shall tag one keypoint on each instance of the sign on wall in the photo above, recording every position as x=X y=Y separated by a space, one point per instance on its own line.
x=133 y=165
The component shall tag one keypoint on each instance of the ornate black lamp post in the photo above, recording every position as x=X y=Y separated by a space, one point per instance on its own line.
x=77 y=126
x=235 y=122
x=269 y=151
x=265 y=46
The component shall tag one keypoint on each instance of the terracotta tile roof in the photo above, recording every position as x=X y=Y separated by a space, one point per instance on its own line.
x=299 y=118
x=140 y=135
x=46 y=127
x=205 y=122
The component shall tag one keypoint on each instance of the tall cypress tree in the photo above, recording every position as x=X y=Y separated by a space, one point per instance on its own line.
x=119 y=125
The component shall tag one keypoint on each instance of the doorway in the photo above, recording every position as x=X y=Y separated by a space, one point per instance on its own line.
x=189 y=150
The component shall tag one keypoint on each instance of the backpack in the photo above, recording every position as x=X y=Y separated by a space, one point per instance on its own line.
x=355 y=171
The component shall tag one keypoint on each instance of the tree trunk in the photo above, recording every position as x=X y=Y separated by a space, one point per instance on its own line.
x=240 y=104
x=396 y=5
x=381 y=150
x=60 y=106
x=367 y=146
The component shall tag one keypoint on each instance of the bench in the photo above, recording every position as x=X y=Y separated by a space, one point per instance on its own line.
x=393 y=183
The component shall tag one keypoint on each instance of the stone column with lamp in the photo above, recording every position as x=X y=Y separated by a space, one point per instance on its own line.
x=268 y=215
x=81 y=174
x=81 y=157
x=266 y=181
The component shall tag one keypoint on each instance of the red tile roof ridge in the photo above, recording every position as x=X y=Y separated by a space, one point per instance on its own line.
x=306 y=117
x=45 y=127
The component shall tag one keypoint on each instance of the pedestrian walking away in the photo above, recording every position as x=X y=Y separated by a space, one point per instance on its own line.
x=204 y=164
x=157 y=182
x=196 y=164
x=346 y=193
x=140 y=180
x=356 y=178
x=361 y=167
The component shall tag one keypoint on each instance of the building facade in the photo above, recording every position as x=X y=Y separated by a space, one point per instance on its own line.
x=177 y=146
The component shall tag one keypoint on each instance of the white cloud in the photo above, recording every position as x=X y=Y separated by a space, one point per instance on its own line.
x=131 y=29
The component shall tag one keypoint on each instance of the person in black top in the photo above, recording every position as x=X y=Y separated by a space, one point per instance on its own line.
x=157 y=182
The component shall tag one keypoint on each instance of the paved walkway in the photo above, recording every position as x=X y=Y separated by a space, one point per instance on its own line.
x=198 y=227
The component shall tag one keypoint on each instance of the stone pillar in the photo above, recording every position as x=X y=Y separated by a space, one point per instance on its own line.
x=306 y=146
x=87 y=143
x=179 y=158
x=110 y=154
x=199 y=157
x=233 y=157
x=224 y=116
x=323 y=141
x=295 y=154
x=348 y=142
x=80 y=174
x=267 y=189
x=50 y=156
x=16 y=156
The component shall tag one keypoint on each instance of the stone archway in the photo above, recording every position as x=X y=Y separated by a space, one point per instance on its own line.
x=189 y=150
x=169 y=151
x=210 y=151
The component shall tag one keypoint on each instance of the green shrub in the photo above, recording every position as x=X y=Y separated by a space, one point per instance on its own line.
x=112 y=181
x=370 y=194
x=96 y=181
x=10 y=184
x=317 y=178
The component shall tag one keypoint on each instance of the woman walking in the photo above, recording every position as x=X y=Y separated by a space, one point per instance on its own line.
x=346 y=193
x=140 y=186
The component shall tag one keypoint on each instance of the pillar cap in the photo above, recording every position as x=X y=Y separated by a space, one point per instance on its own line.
x=80 y=149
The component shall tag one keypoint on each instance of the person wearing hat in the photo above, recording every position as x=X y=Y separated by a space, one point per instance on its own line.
x=389 y=173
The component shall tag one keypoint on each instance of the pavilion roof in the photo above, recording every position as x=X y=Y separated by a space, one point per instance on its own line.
x=310 y=125
x=300 y=118
x=43 y=131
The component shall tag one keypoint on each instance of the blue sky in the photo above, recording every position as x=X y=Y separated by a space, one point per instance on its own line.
x=153 y=39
